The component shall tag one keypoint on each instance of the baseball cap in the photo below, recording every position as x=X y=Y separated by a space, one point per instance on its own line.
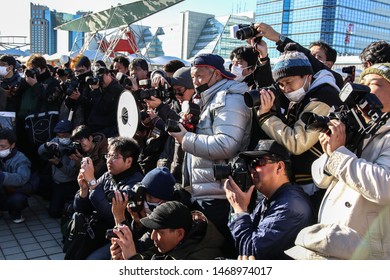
x=266 y=147
x=214 y=61
x=182 y=77
x=63 y=126
x=171 y=214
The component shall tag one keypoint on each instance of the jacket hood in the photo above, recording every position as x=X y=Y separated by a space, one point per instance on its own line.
x=323 y=77
x=228 y=86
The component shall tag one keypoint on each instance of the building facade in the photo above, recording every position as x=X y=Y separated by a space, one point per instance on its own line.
x=43 y=36
x=346 y=25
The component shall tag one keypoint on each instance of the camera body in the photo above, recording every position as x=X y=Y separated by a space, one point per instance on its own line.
x=243 y=31
x=189 y=119
x=162 y=92
x=136 y=196
x=53 y=149
x=72 y=149
x=32 y=72
x=70 y=85
x=252 y=97
x=238 y=170
x=97 y=77
x=357 y=98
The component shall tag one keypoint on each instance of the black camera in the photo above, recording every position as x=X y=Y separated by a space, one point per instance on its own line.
x=162 y=92
x=238 y=170
x=31 y=72
x=97 y=77
x=52 y=149
x=70 y=85
x=72 y=149
x=189 y=119
x=136 y=196
x=357 y=98
x=252 y=97
x=244 y=31
x=349 y=70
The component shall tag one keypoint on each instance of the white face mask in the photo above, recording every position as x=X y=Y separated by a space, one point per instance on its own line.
x=238 y=72
x=5 y=153
x=64 y=141
x=119 y=76
x=3 y=71
x=297 y=95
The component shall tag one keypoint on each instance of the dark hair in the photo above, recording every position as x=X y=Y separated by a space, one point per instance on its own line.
x=37 y=60
x=80 y=132
x=8 y=134
x=139 y=62
x=9 y=59
x=173 y=65
x=122 y=59
x=331 y=53
x=376 y=52
x=126 y=146
x=101 y=62
x=245 y=53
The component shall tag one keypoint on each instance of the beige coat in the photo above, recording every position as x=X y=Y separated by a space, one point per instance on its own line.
x=358 y=192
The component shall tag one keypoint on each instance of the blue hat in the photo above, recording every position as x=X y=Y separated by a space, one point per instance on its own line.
x=214 y=61
x=291 y=63
x=159 y=182
x=63 y=126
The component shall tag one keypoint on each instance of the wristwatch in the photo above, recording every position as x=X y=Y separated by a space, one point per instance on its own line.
x=92 y=183
x=282 y=38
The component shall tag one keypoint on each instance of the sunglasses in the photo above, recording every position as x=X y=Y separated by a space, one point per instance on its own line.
x=178 y=93
x=260 y=162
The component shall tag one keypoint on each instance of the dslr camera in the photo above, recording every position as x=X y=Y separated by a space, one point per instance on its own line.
x=243 y=31
x=357 y=99
x=97 y=77
x=70 y=85
x=252 y=97
x=162 y=92
x=189 y=119
x=238 y=170
x=31 y=72
x=135 y=194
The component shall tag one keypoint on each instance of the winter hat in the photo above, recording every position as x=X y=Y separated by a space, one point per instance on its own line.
x=291 y=63
x=182 y=77
x=63 y=126
x=171 y=214
x=382 y=69
x=159 y=182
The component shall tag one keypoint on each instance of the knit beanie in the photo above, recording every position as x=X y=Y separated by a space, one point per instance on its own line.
x=291 y=63
x=159 y=182
x=382 y=69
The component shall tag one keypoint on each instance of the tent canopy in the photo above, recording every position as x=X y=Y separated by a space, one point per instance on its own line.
x=120 y=15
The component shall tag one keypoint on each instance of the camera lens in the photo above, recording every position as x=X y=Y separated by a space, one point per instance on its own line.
x=252 y=98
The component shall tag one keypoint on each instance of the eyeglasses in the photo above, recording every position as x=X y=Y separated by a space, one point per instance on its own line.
x=260 y=162
x=180 y=93
x=113 y=156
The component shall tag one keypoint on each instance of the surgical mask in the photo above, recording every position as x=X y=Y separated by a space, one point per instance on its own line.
x=5 y=153
x=153 y=205
x=3 y=71
x=297 y=95
x=119 y=76
x=204 y=87
x=237 y=71
x=64 y=141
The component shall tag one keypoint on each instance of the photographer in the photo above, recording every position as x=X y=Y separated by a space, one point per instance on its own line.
x=181 y=81
x=284 y=211
x=123 y=172
x=158 y=186
x=92 y=145
x=306 y=92
x=63 y=169
x=9 y=83
x=357 y=192
x=102 y=104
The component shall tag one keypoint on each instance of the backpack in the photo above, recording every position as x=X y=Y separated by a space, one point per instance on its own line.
x=85 y=234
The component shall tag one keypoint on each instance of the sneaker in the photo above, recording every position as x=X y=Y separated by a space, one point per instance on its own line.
x=18 y=220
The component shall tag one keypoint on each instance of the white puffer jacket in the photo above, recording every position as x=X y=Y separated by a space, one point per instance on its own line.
x=223 y=131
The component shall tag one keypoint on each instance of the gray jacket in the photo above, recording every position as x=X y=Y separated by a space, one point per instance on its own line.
x=223 y=131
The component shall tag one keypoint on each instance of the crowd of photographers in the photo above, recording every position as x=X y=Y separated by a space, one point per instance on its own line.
x=281 y=161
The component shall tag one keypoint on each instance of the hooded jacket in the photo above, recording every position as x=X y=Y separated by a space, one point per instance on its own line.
x=222 y=132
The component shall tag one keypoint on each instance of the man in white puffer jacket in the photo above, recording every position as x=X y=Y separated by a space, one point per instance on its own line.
x=222 y=132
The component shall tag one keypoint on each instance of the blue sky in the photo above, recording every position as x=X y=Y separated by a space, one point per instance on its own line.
x=16 y=13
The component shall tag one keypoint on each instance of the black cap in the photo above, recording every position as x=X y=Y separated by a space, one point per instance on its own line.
x=171 y=214
x=266 y=147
